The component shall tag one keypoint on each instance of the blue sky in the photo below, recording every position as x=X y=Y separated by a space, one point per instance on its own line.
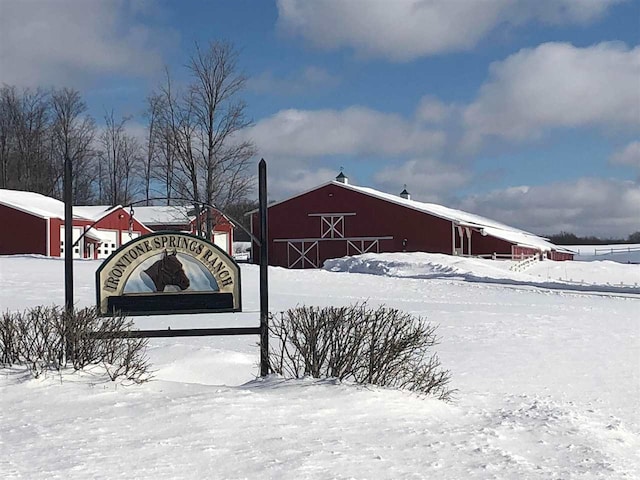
x=524 y=111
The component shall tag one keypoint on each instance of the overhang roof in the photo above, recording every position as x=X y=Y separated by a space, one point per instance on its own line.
x=96 y=235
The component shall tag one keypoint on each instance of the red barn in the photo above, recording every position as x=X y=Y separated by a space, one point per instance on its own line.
x=34 y=223
x=338 y=219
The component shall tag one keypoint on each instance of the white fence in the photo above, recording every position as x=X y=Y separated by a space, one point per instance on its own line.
x=611 y=250
x=522 y=265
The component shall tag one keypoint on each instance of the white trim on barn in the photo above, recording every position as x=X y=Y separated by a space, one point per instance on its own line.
x=316 y=239
x=48 y=249
x=358 y=250
x=351 y=214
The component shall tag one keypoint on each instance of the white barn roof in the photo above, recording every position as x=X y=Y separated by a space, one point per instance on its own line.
x=163 y=215
x=46 y=207
x=94 y=212
x=32 y=203
x=490 y=227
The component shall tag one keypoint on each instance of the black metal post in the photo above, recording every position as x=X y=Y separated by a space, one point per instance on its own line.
x=264 y=264
x=68 y=252
x=68 y=235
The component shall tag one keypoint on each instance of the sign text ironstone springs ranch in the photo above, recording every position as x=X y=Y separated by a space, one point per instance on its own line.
x=178 y=271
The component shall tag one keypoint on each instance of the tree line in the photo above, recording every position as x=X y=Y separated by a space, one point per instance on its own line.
x=192 y=152
x=567 y=238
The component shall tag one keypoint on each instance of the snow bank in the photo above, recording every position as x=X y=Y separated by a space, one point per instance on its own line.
x=603 y=276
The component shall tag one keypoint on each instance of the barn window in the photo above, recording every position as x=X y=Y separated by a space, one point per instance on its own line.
x=332 y=226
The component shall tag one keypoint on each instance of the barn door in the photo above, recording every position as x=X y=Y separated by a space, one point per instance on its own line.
x=301 y=254
x=221 y=239
x=78 y=249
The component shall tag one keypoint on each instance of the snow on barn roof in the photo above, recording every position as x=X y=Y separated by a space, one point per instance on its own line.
x=32 y=203
x=176 y=215
x=97 y=235
x=486 y=225
x=46 y=207
x=163 y=215
x=466 y=219
x=94 y=212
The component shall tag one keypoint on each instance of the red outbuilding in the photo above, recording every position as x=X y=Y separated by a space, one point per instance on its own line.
x=338 y=219
x=34 y=223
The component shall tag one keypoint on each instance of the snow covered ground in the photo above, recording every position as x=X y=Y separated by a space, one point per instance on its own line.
x=546 y=363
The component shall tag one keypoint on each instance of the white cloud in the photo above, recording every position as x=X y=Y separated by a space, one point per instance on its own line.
x=403 y=30
x=629 y=155
x=45 y=42
x=297 y=178
x=427 y=179
x=303 y=81
x=586 y=206
x=557 y=85
x=352 y=131
x=432 y=110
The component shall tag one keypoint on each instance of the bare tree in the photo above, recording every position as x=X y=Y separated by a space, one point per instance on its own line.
x=159 y=164
x=38 y=128
x=166 y=161
x=119 y=157
x=150 y=160
x=73 y=135
x=25 y=130
x=8 y=99
x=204 y=123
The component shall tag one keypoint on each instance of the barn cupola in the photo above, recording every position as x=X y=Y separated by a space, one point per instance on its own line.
x=405 y=194
x=342 y=178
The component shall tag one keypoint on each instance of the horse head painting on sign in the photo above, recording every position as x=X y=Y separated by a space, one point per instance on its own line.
x=168 y=271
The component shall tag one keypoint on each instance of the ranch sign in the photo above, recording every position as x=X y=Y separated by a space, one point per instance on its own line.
x=168 y=272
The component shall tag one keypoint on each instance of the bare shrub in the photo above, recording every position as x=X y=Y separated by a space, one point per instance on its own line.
x=127 y=359
x=381 y=346
x=8 y=339
x=39 y=339
x=48 y=338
